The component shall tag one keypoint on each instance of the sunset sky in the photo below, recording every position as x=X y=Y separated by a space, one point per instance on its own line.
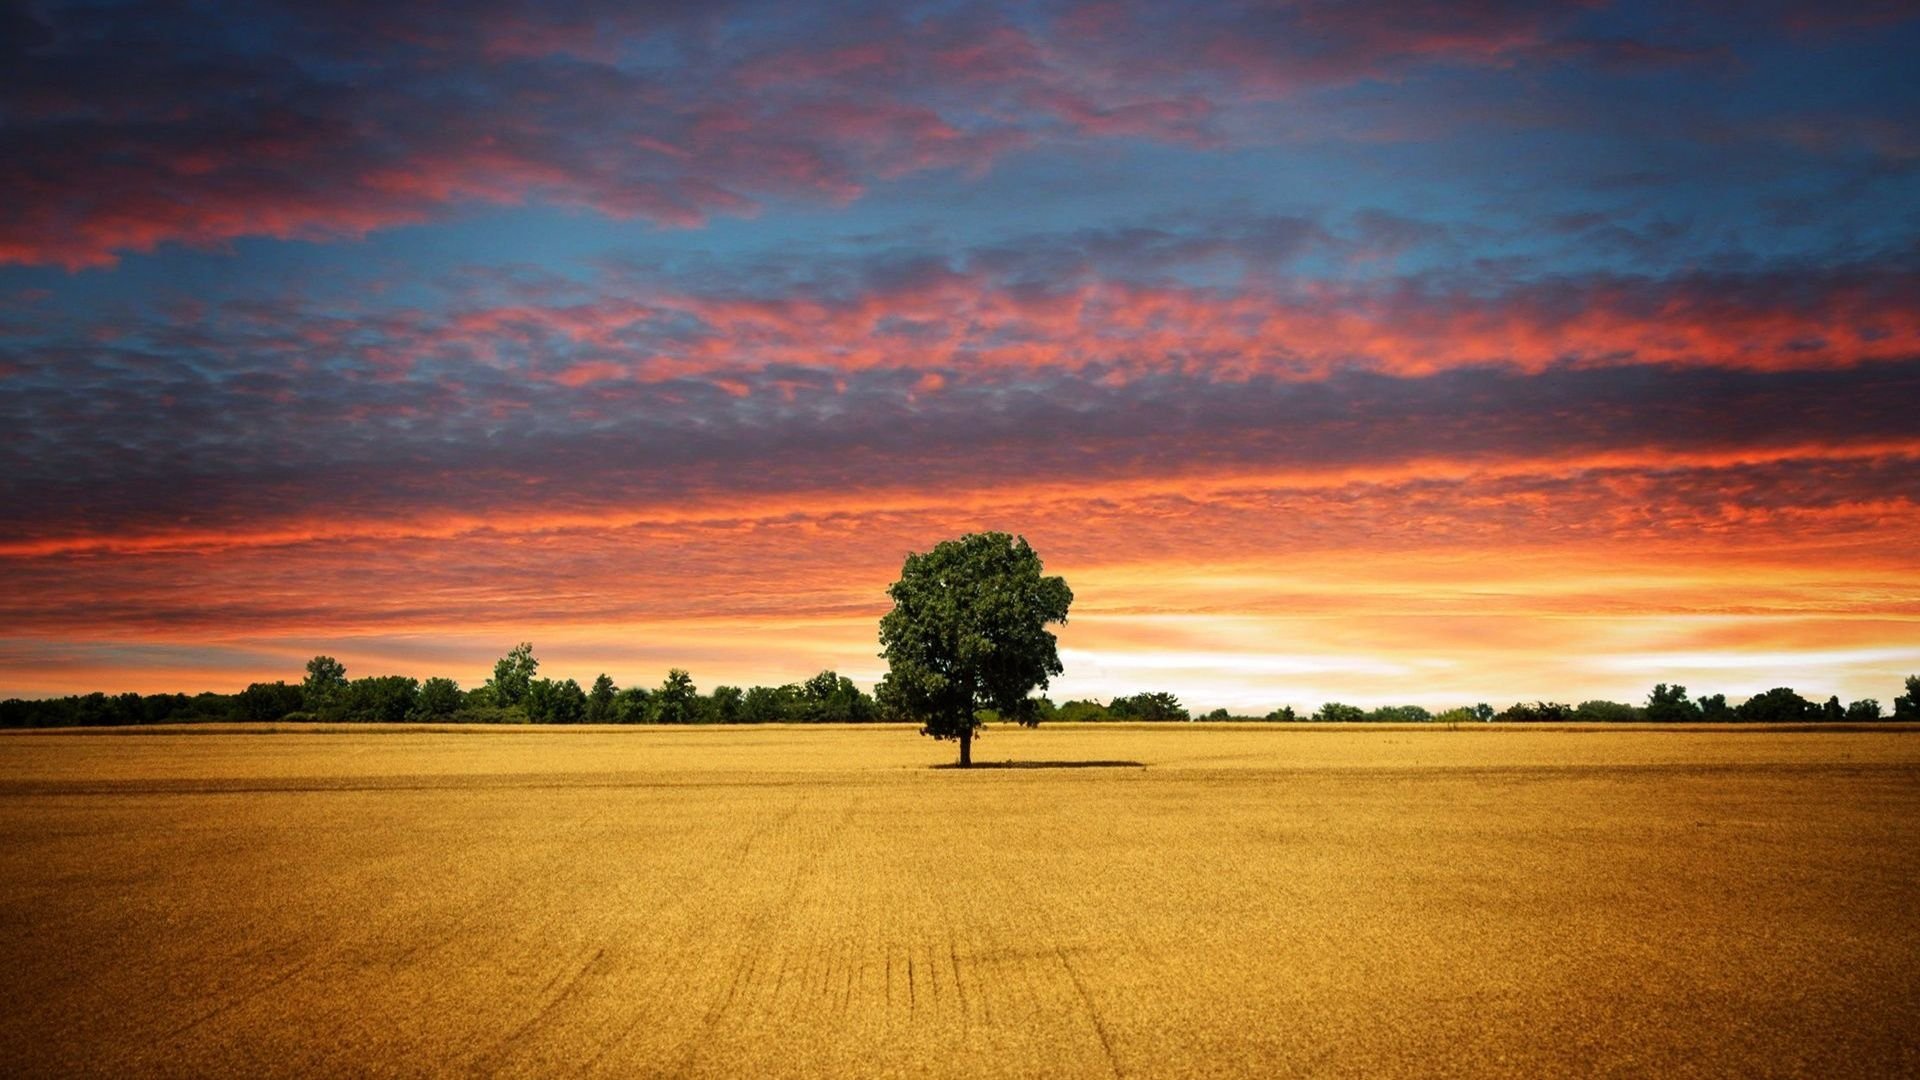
x=1373 y=352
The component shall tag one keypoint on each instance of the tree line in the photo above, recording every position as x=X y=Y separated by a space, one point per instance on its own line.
x=1664 y=705
x=517 y=694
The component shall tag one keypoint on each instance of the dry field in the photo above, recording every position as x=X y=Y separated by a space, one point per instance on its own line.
x=820 y=902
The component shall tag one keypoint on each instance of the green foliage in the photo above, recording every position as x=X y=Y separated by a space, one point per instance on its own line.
x=1283 y=713
x=1540 y=712
x=488 y=714
x=632 y=705
x=1399 y=714
x=261 y=701
x=1333 y=712
x=676 y=702
x=1605 y=712
x=600 y=700
x=1079 y=711
x=1907 y=706
x=385 y=699
x=1457 y=716
x=1669 y=705
x=326 y=680
x=831 y=698
x=1715 y=710
x=723 y=705
x=1219 y=714
x=1864 y=711
x=1779 y=705
x=767 y=705
x=513 y=675
x=968 y=631
x=1154 y=705
x=439 y=699
x=550 y=702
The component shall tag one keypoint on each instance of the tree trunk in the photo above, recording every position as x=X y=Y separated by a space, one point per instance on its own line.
x=966 y=748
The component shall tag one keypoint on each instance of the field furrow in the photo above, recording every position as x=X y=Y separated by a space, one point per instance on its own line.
x=802 y=903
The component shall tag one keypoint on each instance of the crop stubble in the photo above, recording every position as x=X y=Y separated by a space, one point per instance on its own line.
x=804 y=902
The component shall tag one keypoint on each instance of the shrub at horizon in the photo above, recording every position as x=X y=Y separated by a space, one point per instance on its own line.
x=676 y=702
x=831 y=697
x=1863 y=711
x=1606 y=712
x=1907 y=705
x=1714 y=709
x=326 y=680
x=1540 y=712
x=1669 y=705
x=271 y=701
x=968 y=631
x=555 y=702
x=600 y=700
x=438 y=699
x=513 y=676
x=1151 y=706
x=385 y=699
x=1780 y=705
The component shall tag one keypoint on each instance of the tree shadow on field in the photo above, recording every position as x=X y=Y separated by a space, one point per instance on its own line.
x=1040 y=765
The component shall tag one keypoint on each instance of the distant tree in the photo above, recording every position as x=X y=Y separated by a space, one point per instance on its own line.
x=1864 y=711
x=1334 y=712
x=676 y=702
x=116 y=710
x=550 y=702
x=1483 y=712
x=766 y=705
x=326 y=679
x=383 y=699
x=1155 y=705
x=569 y=703
x=1219 y=714
x=1078 y=711
x=600 y=700
x=1456 y=717
x=1669 y=705
x=1284 y=713
x=259 y=701
x=1540 y=712
x=1907 y=706
x=1833 y=712
x=632 y=706
x=1779 y=705
x=1399 y=714
x=1714 y=709
x=513 y=675
x=1605 y=712
x=724 y=704
x=439 y=699
x=968 y=631
x=830 y=697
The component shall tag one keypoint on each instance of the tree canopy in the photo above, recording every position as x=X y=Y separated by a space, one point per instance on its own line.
x=968 y=631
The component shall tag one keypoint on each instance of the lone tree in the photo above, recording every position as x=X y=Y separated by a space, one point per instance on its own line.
x=968 y=631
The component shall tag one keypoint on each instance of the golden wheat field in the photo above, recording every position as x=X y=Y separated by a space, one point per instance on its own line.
x=802 y=902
